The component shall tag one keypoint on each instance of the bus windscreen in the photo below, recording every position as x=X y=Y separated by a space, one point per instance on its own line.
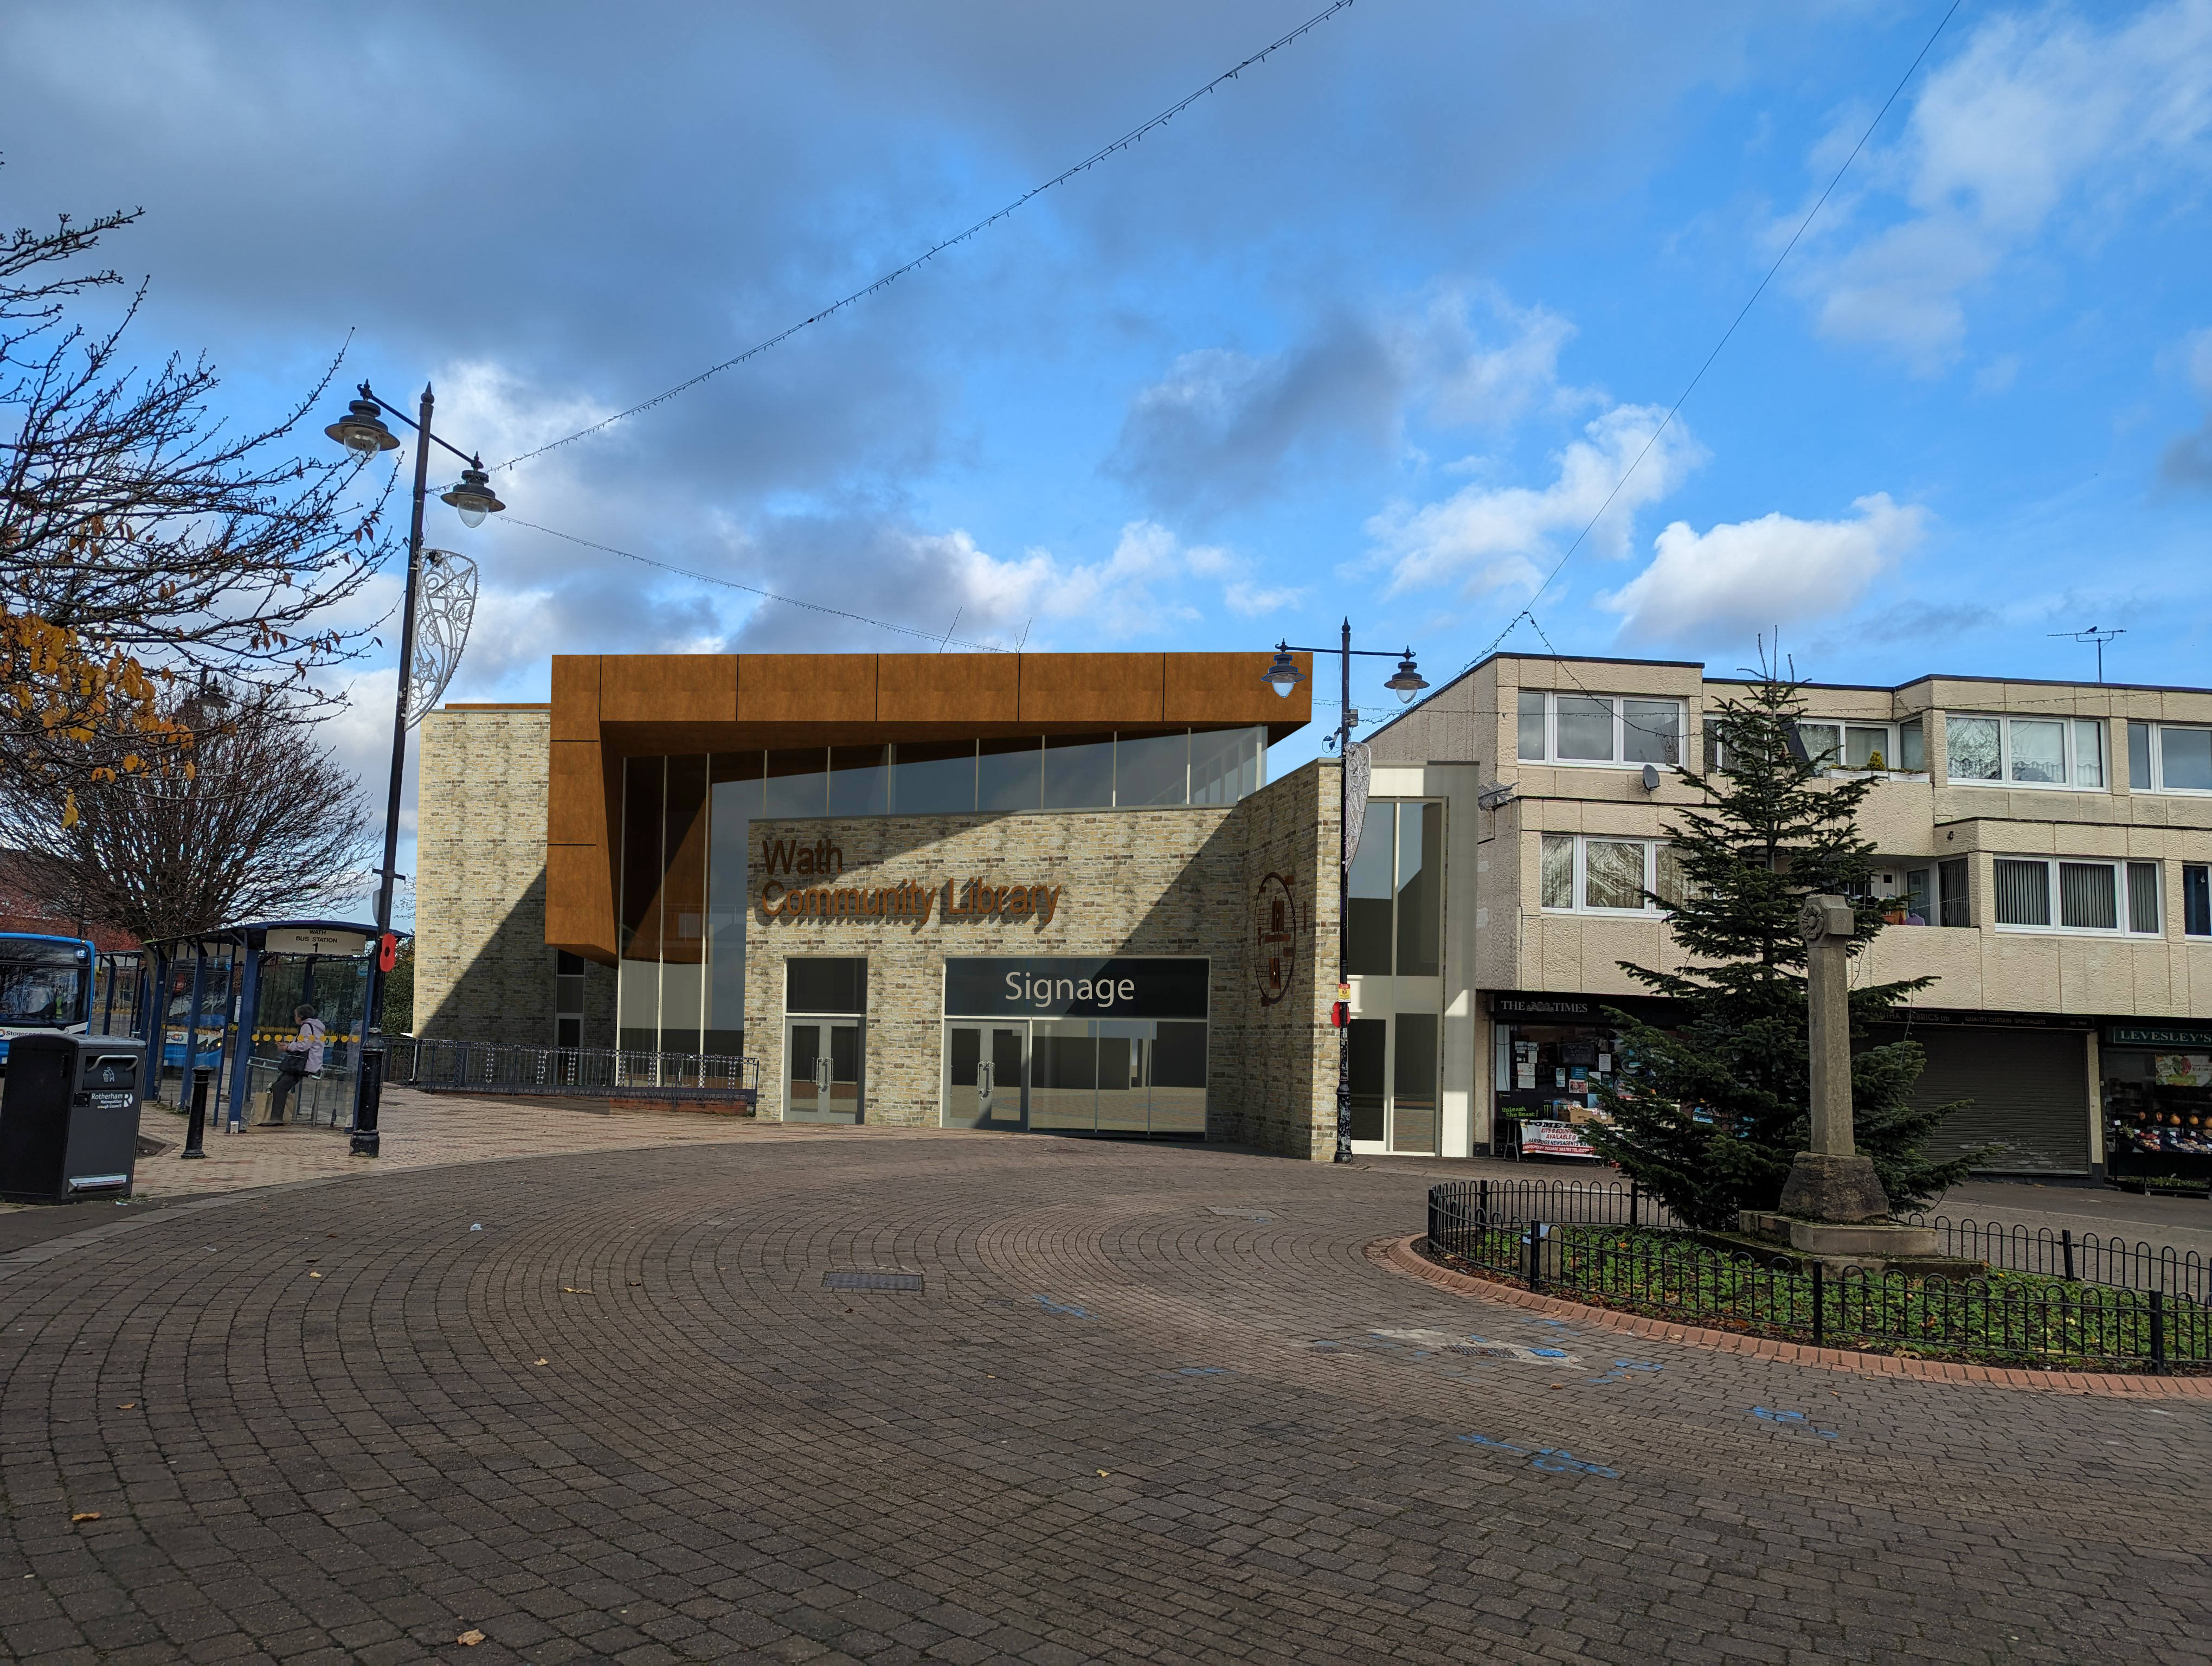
x=41 y=986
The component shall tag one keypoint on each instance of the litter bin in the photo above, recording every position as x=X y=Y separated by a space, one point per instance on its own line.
x=68 y=1119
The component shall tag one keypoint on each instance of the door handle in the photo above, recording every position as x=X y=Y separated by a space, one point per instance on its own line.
x=985 y=1079
x=822 y=1076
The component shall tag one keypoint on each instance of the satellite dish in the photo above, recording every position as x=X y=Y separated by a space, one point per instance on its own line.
x=445 y=602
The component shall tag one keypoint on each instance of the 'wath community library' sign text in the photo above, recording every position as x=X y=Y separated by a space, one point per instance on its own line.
x=800 y=894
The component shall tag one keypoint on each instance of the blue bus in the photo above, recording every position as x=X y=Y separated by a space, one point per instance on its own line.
x=45 y=984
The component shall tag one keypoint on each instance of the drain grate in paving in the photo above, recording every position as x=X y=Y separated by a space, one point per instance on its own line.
x=872 y=1280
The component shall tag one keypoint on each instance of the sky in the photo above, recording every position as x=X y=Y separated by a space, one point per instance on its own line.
x=1374 y=330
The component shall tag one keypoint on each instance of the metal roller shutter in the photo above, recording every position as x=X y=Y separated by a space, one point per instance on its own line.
x=2030 y=1093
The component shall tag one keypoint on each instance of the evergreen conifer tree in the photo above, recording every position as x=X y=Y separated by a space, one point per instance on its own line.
x=1709 y=1115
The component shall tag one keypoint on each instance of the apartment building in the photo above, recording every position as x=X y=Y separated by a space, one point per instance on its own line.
x=2046 y=848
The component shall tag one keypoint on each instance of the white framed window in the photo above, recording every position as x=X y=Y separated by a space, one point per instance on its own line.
x=2003 y=750
x=1841 y=744
x=1617 y=731
x=2056 y=894
x=1591 y=873
x=2169 y=758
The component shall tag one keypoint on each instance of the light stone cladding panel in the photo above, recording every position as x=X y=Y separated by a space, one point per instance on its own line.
x=1167 y=881
x=483 y=971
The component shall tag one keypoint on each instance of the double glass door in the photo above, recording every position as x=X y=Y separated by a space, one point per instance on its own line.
x=1077 y=1075
x=823 y=1081
x=986 y=1076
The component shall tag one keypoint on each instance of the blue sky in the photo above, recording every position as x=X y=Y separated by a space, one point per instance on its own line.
x=1372 y=330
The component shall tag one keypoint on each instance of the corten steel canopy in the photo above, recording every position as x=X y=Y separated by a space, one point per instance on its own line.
x=607 y=708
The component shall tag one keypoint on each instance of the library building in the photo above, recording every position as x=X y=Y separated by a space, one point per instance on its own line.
x=1018 y=891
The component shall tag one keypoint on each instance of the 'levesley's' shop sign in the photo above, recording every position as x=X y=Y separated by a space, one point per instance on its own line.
x=795 y=899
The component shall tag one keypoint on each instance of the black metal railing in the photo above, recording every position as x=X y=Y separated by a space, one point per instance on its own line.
x=1608 y=1203
x=2087 y=1256
x=2020 y=1317
x=506 y=1067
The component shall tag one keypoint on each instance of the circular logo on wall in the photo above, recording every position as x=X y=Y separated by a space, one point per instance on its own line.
x=1274 y=938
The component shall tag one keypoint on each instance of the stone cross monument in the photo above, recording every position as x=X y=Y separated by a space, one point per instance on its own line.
x=1831 y=1181
x=1834 y=1207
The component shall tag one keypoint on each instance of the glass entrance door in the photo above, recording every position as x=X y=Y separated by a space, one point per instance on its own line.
x=822 y=1070
x=986 y=1076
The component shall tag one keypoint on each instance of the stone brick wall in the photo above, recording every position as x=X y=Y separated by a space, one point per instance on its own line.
x=483 y=971
x=1177 y=881
x=1275 y=1064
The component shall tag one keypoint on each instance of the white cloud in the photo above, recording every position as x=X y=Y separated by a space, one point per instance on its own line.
x=1220 y=428
x=1754 y=574
x=1485 y=538
x=2035 y=112
x=1462 y=377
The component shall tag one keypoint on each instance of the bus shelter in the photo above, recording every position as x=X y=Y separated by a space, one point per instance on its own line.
x=224 y=1000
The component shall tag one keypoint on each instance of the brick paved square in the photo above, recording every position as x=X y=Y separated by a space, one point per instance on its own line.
x=721 y=1459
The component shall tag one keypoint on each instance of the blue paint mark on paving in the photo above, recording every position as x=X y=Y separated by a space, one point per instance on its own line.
x=1624 y=1370
x=1068 y=1307
x=1552 y=1459
x=1793 y=1422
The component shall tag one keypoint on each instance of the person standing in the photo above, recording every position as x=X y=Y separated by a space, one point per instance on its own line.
x=302 y=1057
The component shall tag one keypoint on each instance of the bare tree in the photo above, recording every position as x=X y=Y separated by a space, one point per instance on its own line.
x=266 y=824
x=144 y=543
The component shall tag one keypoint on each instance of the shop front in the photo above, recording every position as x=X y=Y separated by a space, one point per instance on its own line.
x=1551 y=1054
x=1077 y=1045
x=2158 y=1100
x=2017 y=1089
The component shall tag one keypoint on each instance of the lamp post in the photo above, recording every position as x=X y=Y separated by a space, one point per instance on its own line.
x=1284 y=676
x=363 y=431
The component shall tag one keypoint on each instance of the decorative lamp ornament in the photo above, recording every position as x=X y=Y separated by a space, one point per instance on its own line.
x=473 y=499
x=1284 y=674
x=362 y=430
x=1408 y=682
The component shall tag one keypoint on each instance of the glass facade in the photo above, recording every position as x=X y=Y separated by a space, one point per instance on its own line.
x=687 y=822
x=1394 y=955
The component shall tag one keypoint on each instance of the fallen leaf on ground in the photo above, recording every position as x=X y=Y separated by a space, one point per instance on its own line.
x=1102 y=1472
x=128 y=1405
x=314 y=1275
x=573 y=1290
x=541 y=1362
x=84 y=1516
x=469 y=1640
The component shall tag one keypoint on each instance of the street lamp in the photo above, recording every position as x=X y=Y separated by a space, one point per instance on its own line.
x=1284 y=675
x=363 y=432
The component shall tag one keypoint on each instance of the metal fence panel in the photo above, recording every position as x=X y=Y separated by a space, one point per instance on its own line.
x=508 y=1068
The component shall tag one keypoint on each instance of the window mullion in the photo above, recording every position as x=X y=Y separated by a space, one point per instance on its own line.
x=1581 y=888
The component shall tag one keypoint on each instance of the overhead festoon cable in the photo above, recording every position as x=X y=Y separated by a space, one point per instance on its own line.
x=1127 y=140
